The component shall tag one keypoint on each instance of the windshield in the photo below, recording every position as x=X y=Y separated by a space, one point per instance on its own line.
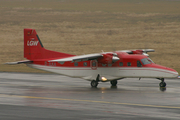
x=150 y=60
x=146 y=61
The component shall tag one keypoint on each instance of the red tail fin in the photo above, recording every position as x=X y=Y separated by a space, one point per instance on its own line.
x=33 y=48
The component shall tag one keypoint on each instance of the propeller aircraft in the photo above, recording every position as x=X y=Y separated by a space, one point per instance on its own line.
x=98 y=67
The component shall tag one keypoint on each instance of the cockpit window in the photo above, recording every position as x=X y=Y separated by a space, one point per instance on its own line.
x=150 y=60
x=146 y=61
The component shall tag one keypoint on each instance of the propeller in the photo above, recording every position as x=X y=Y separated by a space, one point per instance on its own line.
x=148 y=50
x=115 y=57
x=145 y=51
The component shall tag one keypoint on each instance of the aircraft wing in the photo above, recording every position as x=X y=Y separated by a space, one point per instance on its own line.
x=98 y=55
x=18 y=62
x=79 y=58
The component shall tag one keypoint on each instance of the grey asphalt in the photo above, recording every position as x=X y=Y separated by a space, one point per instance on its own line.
x=27 y=96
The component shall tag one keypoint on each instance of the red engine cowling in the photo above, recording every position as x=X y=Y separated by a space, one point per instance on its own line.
x=108 y=59
x=137 y=51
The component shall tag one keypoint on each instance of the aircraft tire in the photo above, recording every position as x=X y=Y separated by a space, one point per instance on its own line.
x=113 y=82
x=162 y=84
x=94 y=83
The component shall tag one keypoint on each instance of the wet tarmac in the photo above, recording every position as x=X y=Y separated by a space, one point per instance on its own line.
x=26 y=96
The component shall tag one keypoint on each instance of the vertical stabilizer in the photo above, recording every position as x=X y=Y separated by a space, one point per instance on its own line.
x=33 y=48
x=32 y=45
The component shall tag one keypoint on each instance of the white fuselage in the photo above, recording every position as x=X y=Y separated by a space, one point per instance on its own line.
x=110 y=73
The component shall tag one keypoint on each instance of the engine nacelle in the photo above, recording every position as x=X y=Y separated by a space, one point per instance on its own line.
x=137 y=51
x=108 y=59
x=142 y=52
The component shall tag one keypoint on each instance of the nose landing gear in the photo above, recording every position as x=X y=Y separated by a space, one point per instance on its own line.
x=162 y=83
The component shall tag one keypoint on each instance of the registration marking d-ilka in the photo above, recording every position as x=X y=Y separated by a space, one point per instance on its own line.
x=91 y=101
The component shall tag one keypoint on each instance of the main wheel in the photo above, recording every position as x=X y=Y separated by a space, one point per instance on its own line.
x=94 y=83
x=113 y=82
x=162 y=84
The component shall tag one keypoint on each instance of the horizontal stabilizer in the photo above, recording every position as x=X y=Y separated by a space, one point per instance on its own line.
x=19 y=62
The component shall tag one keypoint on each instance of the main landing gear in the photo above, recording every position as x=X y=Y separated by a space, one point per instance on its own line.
x=113 y=82
x=94 y=83
x=162 y=83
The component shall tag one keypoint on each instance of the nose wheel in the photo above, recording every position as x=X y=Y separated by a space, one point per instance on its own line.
x=162 y=83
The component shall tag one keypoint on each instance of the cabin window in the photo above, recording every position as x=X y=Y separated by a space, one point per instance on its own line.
x=129 y=64
x=75 y=64
x=85 y=63
x=104 y=65
x=109 y=65
x=121 y=64
x=61 y=63
x=139 y=64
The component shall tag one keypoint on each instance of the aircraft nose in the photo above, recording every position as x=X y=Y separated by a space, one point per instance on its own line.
x=166 y=72
x=173 y=72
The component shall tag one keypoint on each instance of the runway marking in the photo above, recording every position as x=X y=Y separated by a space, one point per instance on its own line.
x=92 y=101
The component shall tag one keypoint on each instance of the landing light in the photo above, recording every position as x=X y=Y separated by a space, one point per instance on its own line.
x=103 y=79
